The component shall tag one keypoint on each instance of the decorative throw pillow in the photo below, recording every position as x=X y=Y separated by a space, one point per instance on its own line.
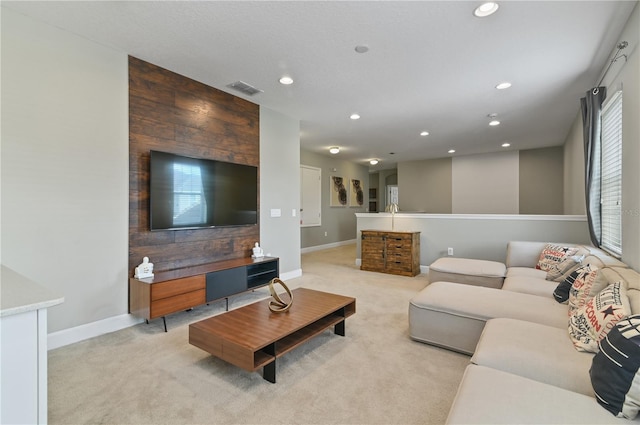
x=615 y=370
x=559 y=271
x=561 y=293
x=554 y=254
x=588 y=282
x=589 y=324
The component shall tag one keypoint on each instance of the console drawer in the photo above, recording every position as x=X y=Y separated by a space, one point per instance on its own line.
x=170 y=305
x=176 y=287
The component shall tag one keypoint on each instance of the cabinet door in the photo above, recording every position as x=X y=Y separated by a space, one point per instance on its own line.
x=372 y=251
x=223 y=283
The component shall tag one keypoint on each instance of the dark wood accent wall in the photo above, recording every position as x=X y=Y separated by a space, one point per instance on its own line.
x=172 y=113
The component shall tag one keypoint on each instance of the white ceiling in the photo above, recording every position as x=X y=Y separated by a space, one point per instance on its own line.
x=431 y=66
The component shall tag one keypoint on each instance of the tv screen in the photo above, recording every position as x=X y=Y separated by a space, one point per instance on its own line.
x=189 y=193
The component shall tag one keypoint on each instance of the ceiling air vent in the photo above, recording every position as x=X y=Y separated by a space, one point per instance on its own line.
x=245 y=88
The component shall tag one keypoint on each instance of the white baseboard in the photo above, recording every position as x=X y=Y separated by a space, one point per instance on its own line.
x=327 y=246
x=90 y=330
x=291 y=275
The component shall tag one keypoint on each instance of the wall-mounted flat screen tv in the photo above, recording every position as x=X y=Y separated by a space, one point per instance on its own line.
x=192 y=193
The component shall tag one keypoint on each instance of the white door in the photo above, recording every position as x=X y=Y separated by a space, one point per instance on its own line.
x=310 y=196
x=392 y=194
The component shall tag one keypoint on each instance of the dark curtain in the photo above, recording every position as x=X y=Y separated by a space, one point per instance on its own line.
x=591 y=106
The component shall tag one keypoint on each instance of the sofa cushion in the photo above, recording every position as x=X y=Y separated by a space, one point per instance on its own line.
x=590 y=323
x=491 y=396
x=452 y=315
x=552 y=255
x=526 y=272
x=466 y=270
x=524 y=253
x=585 y=286
x=530 y=285
x=535 y=351
x=630 y=277
x=615 y=373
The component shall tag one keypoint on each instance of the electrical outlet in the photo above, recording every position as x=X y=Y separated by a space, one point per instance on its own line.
x=325 y=233
x=449 y=251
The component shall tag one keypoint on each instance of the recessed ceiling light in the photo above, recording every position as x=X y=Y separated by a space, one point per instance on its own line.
x=334 y=150
x=486 y=9
x=355 y=117
x=362 y=48
x=494 y=123
x=424 y=133
x=452 y=151
x=286 y=80
x=506 y=145
x=373 y=162
x=504 y=85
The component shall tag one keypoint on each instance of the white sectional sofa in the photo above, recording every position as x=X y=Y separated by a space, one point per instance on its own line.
x=524 y=366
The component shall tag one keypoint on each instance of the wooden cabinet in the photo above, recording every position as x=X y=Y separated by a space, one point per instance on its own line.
x=390 y=252
x=176 y=290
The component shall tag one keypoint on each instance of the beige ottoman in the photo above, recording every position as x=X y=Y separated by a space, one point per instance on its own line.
x=464 y=270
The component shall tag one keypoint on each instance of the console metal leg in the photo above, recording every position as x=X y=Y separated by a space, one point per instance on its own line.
x=227 y=300
x=339 y=329
x=164 y=320
x=269 y=372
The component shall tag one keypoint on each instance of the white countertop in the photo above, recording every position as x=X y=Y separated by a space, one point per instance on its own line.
x=20 y=295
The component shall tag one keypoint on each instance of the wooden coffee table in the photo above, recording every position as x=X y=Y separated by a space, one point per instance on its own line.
x=252 y=336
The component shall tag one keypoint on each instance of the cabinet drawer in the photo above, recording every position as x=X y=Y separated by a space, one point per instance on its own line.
x=396 y=250
x=176 y=303
x=399 y=244
x=398 y=263
x=177 y=287
x=398 y=257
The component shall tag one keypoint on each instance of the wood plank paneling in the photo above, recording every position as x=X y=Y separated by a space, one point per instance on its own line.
x=172 y=113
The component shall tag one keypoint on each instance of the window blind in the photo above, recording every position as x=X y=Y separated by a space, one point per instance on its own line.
x=611 y=175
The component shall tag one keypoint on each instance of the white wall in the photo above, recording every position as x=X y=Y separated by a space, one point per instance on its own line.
x=485 y=184
x=280 y=189
x=65 y=168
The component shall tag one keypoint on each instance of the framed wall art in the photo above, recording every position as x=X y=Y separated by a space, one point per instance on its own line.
x=357 y=193
x=338 y=192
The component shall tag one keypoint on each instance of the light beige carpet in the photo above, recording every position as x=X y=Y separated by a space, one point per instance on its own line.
x=373 y=375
